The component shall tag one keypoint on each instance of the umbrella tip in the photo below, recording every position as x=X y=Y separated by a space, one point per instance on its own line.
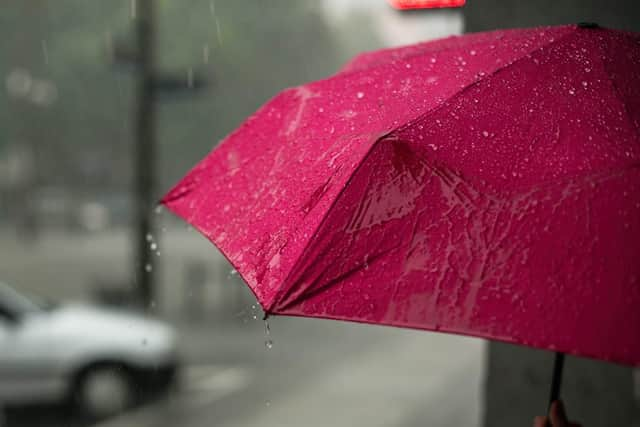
x=588 y=25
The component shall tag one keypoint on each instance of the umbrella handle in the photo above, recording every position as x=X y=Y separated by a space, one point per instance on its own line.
x=556 y=380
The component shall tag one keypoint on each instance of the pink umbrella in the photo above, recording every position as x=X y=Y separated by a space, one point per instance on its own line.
x=485 y=185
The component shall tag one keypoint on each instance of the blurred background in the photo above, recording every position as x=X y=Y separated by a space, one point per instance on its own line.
x=103 y=107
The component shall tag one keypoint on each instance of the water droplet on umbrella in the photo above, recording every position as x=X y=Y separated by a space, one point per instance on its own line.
x=485 y=133
x=572 y=92
x=360 y=95
x=407 y=65
x=473 y=53
x=585 y=84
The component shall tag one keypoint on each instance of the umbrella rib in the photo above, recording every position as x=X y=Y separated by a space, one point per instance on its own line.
x=285 y=288
x=616 y=89
x=345 y=70
x=359 y=267
x=467 y=87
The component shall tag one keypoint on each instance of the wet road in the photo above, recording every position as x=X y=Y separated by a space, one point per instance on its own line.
x=324 y=373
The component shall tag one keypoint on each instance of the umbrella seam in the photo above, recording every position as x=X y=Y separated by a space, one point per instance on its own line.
x=413 y=55
x=284 y=289
x=616 y=90
x=477 y=82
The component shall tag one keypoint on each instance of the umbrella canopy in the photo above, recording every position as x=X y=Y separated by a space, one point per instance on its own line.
x=486 y=185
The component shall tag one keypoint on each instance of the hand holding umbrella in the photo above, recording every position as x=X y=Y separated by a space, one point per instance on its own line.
x=557 y=417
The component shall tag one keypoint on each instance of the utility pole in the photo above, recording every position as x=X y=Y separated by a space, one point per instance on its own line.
x=145 y=152
x=152 y=85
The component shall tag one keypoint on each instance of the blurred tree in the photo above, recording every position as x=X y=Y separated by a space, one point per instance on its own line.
x=80 y=128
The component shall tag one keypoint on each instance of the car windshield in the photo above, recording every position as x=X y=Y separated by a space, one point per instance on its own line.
x=15 y=303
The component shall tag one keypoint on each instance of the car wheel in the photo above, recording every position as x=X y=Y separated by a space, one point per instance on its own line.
x=103 y=391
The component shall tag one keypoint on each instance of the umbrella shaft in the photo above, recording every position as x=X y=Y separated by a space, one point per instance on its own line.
x=556 y=380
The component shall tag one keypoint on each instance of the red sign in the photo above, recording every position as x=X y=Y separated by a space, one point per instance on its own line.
x=425 y=4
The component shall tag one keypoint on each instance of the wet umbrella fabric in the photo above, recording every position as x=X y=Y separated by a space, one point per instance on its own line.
x=485 y=185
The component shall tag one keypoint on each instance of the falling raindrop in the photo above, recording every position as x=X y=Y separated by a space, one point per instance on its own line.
x=267 y=403
x=190 y=77
x=153 y=246
x=218 y=32
x=158 y=210
x=148 y=268
x=45 y=52
x=149 y=237
x=205 y=53
x=268 y=342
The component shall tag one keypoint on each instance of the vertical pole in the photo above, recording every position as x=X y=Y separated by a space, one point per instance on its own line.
x=144 y=152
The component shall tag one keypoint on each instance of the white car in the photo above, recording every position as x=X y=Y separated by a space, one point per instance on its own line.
x=100 y=360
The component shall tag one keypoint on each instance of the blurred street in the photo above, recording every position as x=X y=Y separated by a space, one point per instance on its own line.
x=317 y=372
